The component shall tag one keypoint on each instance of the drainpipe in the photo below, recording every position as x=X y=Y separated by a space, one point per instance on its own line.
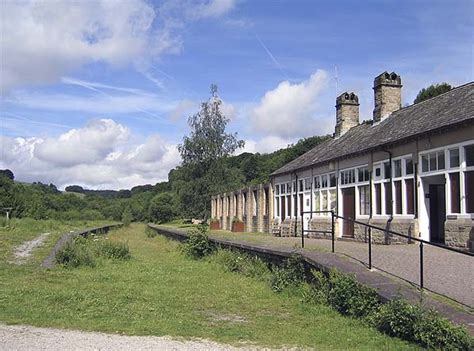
x=296 y=203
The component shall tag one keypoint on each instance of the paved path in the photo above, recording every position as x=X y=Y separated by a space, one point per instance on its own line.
x=445 y=272
x=13 y=337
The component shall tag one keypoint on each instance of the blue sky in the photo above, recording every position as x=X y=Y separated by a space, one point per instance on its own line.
x=133 y=71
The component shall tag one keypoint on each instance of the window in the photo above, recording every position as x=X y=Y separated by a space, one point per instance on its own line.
x=455 y=193
x=301 y=184
x=317 y=204
x=364 y=200
x=387 y=170
x=348 y=177
x=307 y=184
x=288 y=201
x=433 y=161
x=454 y=158
x=363 y=174
x=277 y=189
x=283 y=208
x=378 y=199
x=278 y=208
x=378 y=172
x=398 y=197
x=332 y=180
x=410 y=196
x=469 y=152
x=397 y=168
x=388 y=198
x=325 y=200
x=324 y=181
x=469 y=186
x=332 y=201
x=296 y=205
x=317 y=183
x=408 y=166
x=288 y=188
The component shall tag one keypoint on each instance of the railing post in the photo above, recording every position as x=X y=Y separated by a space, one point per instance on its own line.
x=370 y=248
x=333 y=230
x=302 y=231
x=421 y=264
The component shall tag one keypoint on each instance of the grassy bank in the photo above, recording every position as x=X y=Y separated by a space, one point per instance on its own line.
x=160 y=292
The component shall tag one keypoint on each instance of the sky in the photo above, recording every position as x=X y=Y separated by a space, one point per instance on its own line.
x=97 y=93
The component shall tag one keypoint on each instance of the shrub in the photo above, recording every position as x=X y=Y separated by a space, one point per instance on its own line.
x=291 y=274
x=198 y=245
x=413 y=323
x=150 y=233
x=318 y=291
x=250 y=266
x=116 y=250
x=127 y=216
x=349 y=297
x=436 y=332
x=76 y=253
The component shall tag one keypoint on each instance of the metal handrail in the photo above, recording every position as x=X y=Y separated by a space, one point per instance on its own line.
x=370 y=227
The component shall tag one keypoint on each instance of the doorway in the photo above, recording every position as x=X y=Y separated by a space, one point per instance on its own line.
x=348 y=211
x=437 y=198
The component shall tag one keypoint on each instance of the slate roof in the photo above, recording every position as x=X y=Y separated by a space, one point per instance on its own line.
x=447 y=110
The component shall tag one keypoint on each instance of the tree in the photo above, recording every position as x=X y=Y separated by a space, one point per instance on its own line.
x=208 y=140
x=74 y=189
x=432 y=91
x=161 y=208
x=127 y=216
x=7 y=173
x=203 y=171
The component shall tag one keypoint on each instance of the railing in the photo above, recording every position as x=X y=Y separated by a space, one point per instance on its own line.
x=371 y=227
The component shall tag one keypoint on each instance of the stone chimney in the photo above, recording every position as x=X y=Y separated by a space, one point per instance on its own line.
x=388 y=95
x=347 y=112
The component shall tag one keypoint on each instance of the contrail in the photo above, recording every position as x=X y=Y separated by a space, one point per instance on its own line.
x=275 y=61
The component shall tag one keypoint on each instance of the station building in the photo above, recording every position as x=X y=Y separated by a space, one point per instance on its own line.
x=408 y=170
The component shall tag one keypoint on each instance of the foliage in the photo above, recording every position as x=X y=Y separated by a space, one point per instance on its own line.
x=432 y=91
x=161 y=208
x=349 y=297
x=115 y=250
x=76 y=253
x=291 y=274
x=426 y=327
x=127 y=216
x=317 y=291
x=208 y=140
x=7 y=173
x=150 y=233
x=248 y=265
x=198 y=244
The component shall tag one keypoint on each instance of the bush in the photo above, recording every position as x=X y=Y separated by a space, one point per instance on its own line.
x=150 y=233
x=318 y=291
x=198 y=245
x=349 y=297
x=291 y=274
x=127 y=216
x=116 y=250
x=76 y=253
x=411 y=322
x=161 y=208
x=250 y=266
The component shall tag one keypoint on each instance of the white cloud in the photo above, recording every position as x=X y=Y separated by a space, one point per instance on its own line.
x=265 y=145
x=289 y=110
x=98 y=155
x=43 y=40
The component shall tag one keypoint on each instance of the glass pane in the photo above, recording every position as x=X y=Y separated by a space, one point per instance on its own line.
x=388 y=198
x=454 y=158
x=410 y=196
x=424 y=163
x=317 y=184
x=378 y=199
x=469 y=184
x=433 y=161
x=397 y=168
x=398 y=197
x=378 y=172
x=469 y=152
x=324 y=181
x=455 y=193
x=332 y=194
x=325 y=200
x=277 y=189
x=409 y=166
x=317 y=204
x=386 y=166
x=332 y=180
x=441 y=160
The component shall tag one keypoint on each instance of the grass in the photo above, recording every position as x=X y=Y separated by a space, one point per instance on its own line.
x=21 y=230
x=161 y=292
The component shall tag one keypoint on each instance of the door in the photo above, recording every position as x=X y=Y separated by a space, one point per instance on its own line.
x=348 y=211
x=437 y=212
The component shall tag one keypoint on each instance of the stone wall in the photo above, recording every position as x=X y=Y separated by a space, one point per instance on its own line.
x=323 y=224
x=407 y=227
x=459 y=232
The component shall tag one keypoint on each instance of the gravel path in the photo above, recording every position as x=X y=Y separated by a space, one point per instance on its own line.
x=14 y=337
x=24 y=251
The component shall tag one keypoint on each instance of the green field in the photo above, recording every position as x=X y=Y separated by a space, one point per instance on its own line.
x=161 y=292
